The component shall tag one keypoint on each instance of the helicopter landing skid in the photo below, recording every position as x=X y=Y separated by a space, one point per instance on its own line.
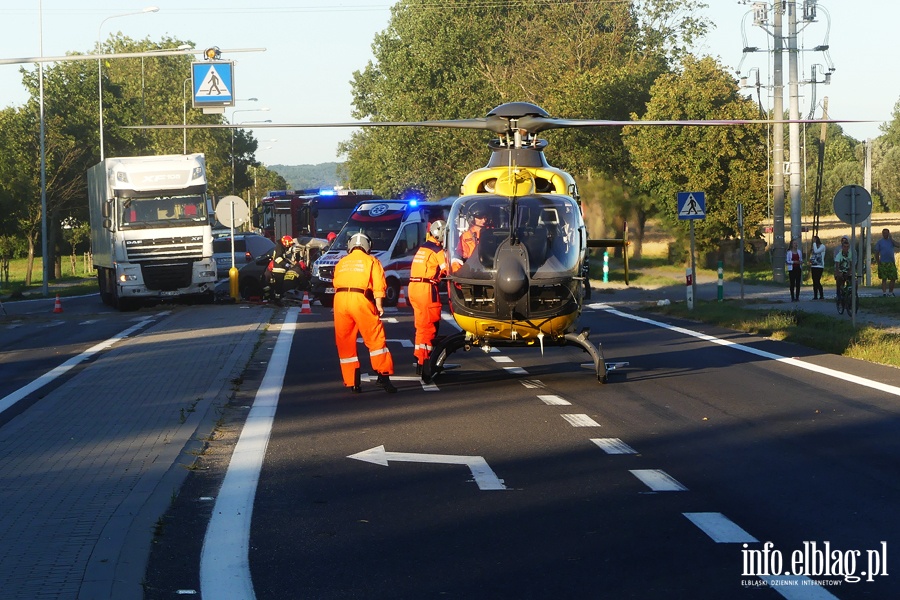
x=442 y=349
x=450 y=344
x=581 y=340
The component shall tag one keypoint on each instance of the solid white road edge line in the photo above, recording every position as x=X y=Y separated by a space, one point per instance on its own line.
x=884 y=387
x=224 y=559
x=9 y=400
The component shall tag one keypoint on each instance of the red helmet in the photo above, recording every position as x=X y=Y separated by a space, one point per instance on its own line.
x=287 y=240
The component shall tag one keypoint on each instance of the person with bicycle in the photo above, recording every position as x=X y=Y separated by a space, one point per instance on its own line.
x=843 y=262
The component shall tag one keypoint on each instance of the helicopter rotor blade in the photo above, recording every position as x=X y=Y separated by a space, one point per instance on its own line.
x=495 y=124
x=537 y=124
x=500 y=125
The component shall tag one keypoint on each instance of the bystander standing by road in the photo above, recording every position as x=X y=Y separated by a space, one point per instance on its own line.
x=887 y=266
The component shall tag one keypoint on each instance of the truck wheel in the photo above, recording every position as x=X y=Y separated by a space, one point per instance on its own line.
x=327 y=300
x=103 y=284
x=392 y=293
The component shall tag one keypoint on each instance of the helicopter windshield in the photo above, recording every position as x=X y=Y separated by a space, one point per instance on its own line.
x=548 y=227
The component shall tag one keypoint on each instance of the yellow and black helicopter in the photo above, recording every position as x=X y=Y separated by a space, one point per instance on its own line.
x=523 y=285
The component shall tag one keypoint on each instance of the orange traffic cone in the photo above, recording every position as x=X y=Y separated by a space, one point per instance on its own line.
x=401 y=301
x=57 y=307
x=305 y=309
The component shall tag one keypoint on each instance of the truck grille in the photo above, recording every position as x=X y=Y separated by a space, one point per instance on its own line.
x=167 y=276
x=188 y=248
x=326 y=273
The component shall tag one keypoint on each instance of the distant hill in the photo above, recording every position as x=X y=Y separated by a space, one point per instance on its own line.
x=301 y=177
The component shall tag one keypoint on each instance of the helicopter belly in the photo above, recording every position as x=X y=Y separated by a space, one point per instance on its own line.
x=516 y=331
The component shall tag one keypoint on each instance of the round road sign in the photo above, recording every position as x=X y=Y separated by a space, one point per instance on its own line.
x=232 y=211
x=852 y=204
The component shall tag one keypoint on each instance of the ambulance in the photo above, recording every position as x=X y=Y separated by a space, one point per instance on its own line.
x=397 y=229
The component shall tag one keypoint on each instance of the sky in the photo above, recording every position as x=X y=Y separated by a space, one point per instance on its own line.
x=312 y=48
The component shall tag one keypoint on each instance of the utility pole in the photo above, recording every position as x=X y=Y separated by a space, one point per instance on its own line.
x=779 y=250
x=794 y=127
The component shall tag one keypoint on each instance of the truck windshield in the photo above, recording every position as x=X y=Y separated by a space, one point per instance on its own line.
x=331 y=219
x=162 y=211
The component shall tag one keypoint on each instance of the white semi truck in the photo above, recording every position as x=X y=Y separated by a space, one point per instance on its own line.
x=150 y=229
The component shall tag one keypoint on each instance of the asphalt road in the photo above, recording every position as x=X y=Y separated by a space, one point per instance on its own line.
x=517 y=475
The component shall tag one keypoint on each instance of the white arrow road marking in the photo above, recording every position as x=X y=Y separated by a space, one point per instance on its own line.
x=481 y=472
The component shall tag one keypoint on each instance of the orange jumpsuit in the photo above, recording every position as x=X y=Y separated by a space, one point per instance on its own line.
x=468 y=241
x=429 y=264
x=357 y=277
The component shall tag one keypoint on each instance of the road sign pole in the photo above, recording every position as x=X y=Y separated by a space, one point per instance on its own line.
x=693 y=268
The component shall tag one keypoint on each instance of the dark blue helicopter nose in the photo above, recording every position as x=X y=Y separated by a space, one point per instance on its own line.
x=512 y=279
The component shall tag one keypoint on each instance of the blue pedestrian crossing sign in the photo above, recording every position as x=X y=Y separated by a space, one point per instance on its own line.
x=213 y=84
x=691 y=205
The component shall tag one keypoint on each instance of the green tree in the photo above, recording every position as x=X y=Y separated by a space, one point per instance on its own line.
x=728 y=163
x=574 y=59
x=886 y=164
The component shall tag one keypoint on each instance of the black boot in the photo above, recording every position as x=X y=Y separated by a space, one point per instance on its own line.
x=385 y=382
x=418 y=369
x=356 y=387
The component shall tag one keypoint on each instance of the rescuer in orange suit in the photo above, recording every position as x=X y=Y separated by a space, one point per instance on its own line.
x=359 y=287
x=468 y=240
x=429 y=264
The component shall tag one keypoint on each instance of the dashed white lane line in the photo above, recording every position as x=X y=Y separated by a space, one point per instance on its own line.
x=554 y=400
x=658 y=481
x=720 y=528
x=9 y=400
x=794 y=362
x=515 y=370
x=532 y=383
x=502 y=359
x=613 y=446
x=580 y=421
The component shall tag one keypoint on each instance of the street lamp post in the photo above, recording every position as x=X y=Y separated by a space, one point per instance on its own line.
x=149 y=9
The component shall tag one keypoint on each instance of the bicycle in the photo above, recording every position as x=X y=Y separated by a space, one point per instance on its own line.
x=845 y=299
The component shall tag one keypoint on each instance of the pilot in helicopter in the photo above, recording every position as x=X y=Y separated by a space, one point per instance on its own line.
x=468 y=240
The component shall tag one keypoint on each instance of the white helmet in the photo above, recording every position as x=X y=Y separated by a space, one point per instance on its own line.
x=437 y=230
x=360 y=240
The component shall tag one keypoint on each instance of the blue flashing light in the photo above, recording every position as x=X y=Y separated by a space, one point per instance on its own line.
x=413 y=195
x=327 y=193
x=413 y=203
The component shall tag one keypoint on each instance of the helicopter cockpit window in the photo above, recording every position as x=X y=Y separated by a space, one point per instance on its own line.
x=547 y=227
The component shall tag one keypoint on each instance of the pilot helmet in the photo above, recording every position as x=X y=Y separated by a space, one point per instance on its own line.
x=478 y=211
x=437 y=230
x=359 y=240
